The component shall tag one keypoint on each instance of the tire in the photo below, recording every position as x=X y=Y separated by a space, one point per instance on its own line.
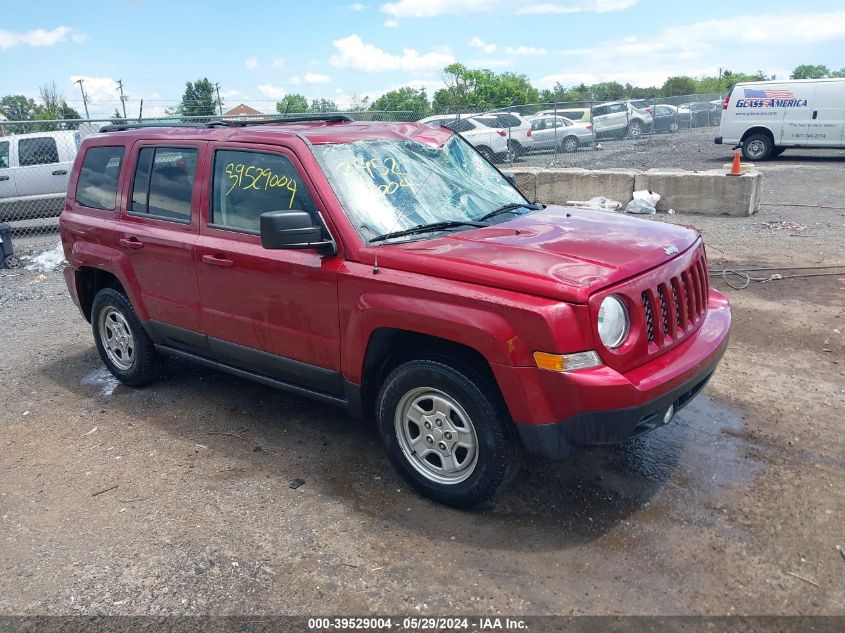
x=516 y=149
x=487 y=153
x=635 y=129
x=124 y=346
x=674 y=127
x=569 y=144
x=757 y=147
x=11 y=261
x=457 y=402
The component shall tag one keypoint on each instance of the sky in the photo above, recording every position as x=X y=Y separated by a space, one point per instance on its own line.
x=260 y=51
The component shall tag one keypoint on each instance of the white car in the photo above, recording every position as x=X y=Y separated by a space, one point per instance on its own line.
x=561 y=134
x=767 y=117
x=518 y=130
x=492 y=143
x=621 y=119
x=34 y=172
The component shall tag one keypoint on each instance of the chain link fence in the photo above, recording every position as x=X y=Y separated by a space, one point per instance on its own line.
x=36 y=156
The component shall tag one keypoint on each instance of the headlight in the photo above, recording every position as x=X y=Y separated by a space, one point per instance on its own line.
x=613 y=322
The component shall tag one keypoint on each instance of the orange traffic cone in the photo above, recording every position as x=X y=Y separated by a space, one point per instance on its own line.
x=736 y=167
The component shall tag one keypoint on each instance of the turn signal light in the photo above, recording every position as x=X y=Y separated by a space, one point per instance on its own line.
x=566 y=362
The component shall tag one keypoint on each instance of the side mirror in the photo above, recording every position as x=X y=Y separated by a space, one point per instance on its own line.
x=510 y=176
x=292 y=229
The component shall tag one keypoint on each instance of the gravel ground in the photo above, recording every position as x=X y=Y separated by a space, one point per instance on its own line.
x=124 y=501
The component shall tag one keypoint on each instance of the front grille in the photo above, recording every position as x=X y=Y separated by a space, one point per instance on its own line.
x=681 y=301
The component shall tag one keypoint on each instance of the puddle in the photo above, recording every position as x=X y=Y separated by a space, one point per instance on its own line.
x=102 y=379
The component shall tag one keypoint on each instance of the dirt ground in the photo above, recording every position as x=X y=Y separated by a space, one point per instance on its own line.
x=123 y=501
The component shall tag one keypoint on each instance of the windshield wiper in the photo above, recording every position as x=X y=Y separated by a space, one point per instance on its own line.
x=427 y=228
x=509 y=208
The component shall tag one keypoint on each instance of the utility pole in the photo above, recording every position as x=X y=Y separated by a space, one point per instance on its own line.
x=122 y=96
x=84 y=98
x=219 y=103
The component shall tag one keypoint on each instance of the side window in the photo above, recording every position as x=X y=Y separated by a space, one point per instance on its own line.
x=538 y=124
x=599 y=111
x=97 y=187
x=164 y=182
x=247 y=184
x=41 y=150
x=4 y=155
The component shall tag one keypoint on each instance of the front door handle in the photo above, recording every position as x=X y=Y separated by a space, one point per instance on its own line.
x=60 y=172
x=133 y=243
x=815 y=114
x=217 y=260
x=3 y=178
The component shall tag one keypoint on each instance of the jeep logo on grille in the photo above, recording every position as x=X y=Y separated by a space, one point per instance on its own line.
x=670 y=250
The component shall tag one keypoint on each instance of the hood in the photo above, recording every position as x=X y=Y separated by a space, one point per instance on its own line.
x=559 y=252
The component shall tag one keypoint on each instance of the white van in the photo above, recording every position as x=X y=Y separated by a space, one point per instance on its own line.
x=34 y=172
x=767 y=117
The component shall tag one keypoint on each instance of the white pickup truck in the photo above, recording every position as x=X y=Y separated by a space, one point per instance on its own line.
x=34 y=172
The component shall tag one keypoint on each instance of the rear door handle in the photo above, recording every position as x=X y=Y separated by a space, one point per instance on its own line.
x=815 y=114
x=132 y=243
x=60 y=172
x=3 y=178
x=217 y=260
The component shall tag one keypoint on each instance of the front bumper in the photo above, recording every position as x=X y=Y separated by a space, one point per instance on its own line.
x=606 y=407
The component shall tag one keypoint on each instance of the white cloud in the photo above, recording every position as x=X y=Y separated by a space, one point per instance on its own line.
x=271 y=91
x=490 y=63
x=525 y=50
x=695 y=49
x=432 y=8
x=39 y=37
x=251 y=63
x=295 y=80
x=392 y=23
x=477 y=42
x=279 y=62
x=231 y=94
x=356 y=6
x=316 y=78
x=96 y=88
x=354 y=54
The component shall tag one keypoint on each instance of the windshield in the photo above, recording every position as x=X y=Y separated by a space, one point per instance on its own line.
x=387 y=186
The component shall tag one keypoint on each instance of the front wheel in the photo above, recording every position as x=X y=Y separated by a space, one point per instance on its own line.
x=447 y=431
x=757 y=147
x=673 y=127
x=569 y=144
x=124 y=346
x=635 y=129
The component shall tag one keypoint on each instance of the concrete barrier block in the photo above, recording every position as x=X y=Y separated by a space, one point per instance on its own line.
x=708 y=192
x=526 y=182
x=556 y=186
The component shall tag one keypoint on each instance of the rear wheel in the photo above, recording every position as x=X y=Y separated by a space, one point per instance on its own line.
x=673 y=127
x=569 y=144
x=635 y=129
x=516 y=149
x=487 y=153
x=447 y=431
x=124 y=346
x=757 y=147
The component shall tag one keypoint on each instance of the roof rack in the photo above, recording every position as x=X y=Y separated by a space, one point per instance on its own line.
x=329 y=118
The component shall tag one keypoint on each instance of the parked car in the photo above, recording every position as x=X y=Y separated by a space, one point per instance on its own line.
x=389 y=269
x=576 y=115
x=668 y=119
x=620 y=119
x=768 y=117
x=550 y=132
x=642 y=104
x=701 y=113
x=490 y=141
x=518 y=130
x=34 y=172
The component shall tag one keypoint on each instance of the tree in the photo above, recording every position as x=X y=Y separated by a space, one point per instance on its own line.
x=18 y=107
x=293 y=104
x=482 y=89
x=681 y=85
x=405 y=98
x=810 y=71
x=607 y=91
x=323 y=105
x=838 y=73
x=198 y=99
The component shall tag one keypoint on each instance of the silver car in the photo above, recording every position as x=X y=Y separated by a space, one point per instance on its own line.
x=558 y=132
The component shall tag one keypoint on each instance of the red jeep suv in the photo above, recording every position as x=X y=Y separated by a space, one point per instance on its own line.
x=388 y=268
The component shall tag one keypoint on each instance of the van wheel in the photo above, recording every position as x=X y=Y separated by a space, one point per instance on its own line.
x=757 y=147
x=447 y=431
x=123 y=344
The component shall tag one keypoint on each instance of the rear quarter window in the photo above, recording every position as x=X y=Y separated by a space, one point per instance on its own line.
x=164 y=183
x=98 y=177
